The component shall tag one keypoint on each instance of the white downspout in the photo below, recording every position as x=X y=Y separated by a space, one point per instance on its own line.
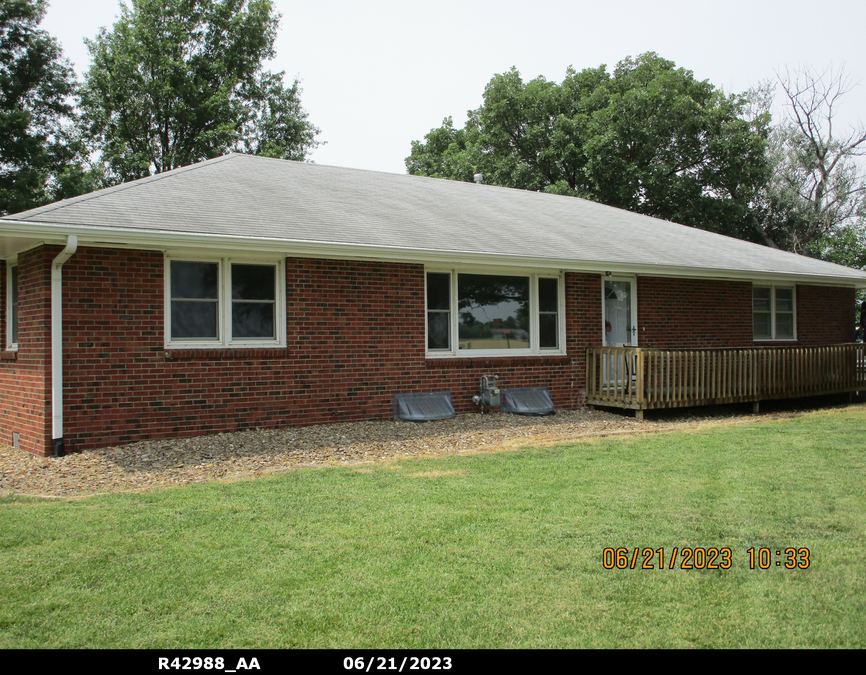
x=57 y=343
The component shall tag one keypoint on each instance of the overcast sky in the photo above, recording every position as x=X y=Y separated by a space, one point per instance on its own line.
x=377 y=75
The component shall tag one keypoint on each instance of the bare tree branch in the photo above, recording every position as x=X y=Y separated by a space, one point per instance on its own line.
x=814 y=164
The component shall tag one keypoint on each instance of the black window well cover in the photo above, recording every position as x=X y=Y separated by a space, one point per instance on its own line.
x=527 y=401
x=434 y=405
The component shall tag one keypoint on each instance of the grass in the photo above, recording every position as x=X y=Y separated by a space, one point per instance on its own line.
x=489 y=550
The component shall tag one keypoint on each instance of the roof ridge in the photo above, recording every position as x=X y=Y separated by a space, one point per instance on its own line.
x=120 y=187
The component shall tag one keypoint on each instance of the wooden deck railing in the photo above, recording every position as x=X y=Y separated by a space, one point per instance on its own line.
x=632 y=377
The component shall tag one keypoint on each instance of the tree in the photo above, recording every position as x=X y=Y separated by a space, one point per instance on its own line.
x=179 y=81
x=443 y=154
x=526 y=135
x=649 y=138
x=37 y=149
x=815 y=202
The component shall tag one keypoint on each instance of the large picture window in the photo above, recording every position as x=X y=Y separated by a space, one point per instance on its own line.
x=493 y=314
x=773 y=313
x=224 y=302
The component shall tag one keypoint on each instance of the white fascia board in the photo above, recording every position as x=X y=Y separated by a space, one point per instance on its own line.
x=109 y=237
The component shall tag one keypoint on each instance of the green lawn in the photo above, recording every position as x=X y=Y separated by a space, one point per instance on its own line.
x=487 y=550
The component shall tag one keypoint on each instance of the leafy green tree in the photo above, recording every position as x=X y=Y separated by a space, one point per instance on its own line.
x=179 y=81
x=526 y=135
x=444 y=154
x=649 y=138
x=38 y=152
x=673 y=147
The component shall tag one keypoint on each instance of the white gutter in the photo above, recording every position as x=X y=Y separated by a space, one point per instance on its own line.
x=57 y=343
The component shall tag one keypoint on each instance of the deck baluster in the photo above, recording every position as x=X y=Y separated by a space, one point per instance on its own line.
x=639 y=378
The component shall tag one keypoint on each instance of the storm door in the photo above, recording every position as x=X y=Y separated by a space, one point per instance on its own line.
x=620 y=312
x=619 y=306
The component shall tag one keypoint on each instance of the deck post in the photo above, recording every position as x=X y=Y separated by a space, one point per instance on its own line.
x=756 y=407
x=640 y=382
x=638 y=415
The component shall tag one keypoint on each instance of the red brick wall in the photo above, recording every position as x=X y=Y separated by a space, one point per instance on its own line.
x=699 y=313
x=583 y=327
x=367 y=343
x=563 y=375
x=25 y=406
x=694 y=313
x=355 y=336
x=825 y=315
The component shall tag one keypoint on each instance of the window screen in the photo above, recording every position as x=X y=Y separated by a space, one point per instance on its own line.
x=773 y=313
x=194 y=300
x=253 y=302
x=438 y=311
x=548 y=313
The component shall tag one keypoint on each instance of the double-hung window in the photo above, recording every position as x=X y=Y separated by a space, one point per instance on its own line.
x=773 y=313
x=224 y=302
x=503 y=314
x=11 y=306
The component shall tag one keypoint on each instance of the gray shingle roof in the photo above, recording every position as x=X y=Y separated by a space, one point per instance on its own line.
x=255 y=198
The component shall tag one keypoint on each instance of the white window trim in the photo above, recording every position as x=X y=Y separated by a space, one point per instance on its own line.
x=224 y=293
x=534 y=349
x=773 y=288
x=10 y=263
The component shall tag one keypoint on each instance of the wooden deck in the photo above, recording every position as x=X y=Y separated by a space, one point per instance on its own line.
x=644 y=379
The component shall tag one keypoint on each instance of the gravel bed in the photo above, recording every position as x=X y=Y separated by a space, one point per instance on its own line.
x=180 y=461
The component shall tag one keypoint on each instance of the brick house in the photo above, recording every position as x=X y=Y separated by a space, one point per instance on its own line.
x=246 y=292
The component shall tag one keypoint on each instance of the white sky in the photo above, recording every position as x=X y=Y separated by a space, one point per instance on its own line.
x=378 y=74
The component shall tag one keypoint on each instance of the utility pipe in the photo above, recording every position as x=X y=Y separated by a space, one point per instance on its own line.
x=57 y=343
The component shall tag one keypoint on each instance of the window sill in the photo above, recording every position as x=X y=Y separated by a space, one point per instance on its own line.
x=9 y=355
x=771 y=340
x=497 y=361
x=226 y=354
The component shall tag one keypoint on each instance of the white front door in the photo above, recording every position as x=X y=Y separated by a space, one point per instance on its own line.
x=620 y=312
